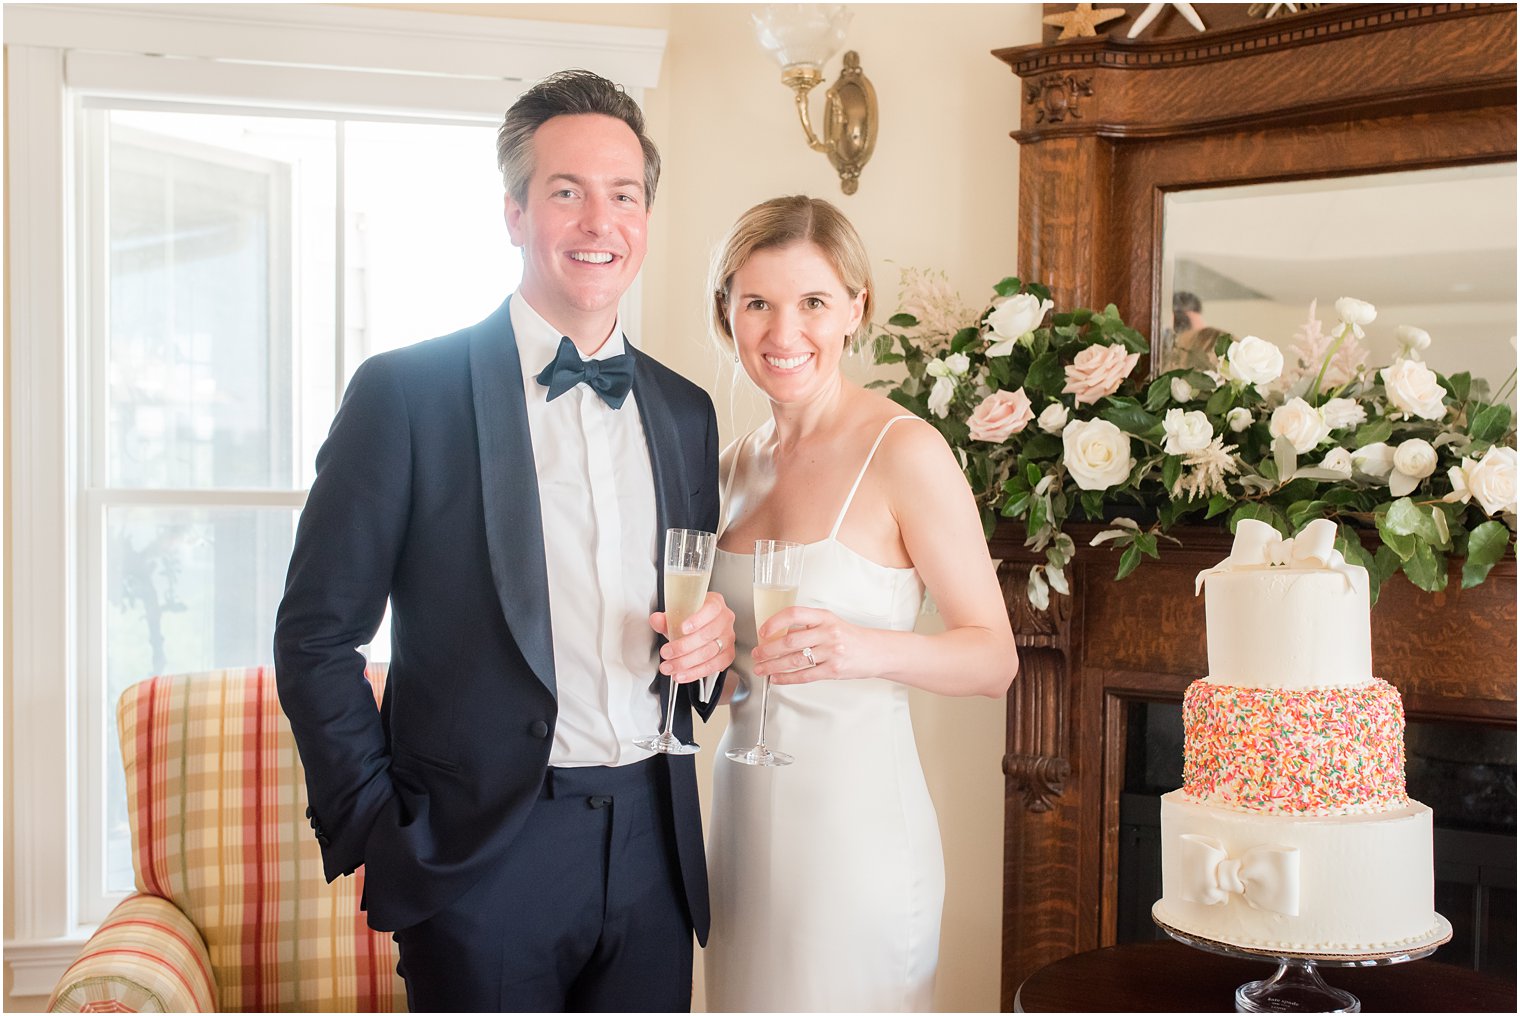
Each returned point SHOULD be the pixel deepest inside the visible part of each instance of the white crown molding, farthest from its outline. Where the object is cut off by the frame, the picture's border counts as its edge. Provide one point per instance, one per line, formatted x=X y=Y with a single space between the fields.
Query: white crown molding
x=331 y=36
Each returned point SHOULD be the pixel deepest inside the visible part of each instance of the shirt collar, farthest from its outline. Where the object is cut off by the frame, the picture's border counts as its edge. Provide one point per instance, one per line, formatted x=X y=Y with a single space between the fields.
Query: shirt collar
x=538 y=340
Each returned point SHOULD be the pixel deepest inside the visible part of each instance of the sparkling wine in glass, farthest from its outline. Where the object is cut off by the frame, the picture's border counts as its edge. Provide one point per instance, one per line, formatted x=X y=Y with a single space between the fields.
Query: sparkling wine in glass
x=778 y=572
x=688 y=567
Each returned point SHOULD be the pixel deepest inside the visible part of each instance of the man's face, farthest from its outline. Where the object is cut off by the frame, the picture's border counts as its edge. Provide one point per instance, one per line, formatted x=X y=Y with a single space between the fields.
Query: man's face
x=583 y=221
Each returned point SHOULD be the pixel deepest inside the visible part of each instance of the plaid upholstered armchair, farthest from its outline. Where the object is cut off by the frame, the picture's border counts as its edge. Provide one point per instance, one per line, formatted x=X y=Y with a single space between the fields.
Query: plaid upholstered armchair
x=231 y=911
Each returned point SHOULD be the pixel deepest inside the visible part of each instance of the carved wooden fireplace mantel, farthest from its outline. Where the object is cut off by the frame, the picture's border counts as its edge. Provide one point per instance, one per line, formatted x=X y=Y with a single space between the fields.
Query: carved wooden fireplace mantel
x=1107 y=127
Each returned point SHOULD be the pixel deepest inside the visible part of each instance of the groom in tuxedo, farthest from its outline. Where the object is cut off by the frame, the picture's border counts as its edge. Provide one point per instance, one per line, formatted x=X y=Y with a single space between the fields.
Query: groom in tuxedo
x=507 y=488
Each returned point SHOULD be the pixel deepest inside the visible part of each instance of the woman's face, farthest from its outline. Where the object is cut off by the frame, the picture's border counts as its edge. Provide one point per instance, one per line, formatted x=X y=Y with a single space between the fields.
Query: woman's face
x=791 y=316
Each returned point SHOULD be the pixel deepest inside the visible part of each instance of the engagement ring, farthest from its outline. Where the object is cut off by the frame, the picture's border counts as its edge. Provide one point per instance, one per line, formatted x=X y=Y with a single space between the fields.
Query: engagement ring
x=807 y=651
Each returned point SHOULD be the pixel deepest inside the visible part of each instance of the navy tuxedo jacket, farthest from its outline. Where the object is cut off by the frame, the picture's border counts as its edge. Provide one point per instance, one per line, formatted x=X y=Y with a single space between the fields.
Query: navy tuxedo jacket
x=426 y=494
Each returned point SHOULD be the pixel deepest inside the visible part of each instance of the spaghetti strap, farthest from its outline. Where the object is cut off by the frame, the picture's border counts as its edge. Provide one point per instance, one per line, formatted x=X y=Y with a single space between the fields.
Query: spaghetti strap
x=728 y=485
x=839 y=520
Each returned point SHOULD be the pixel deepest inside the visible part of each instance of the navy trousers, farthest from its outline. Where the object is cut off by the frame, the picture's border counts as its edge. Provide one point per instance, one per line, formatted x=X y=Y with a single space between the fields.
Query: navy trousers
x=586 y=912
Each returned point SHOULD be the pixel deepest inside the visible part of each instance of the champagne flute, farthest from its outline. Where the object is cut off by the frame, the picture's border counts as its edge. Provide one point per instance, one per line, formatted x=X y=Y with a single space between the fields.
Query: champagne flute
x=778 y=572
x=688 y=568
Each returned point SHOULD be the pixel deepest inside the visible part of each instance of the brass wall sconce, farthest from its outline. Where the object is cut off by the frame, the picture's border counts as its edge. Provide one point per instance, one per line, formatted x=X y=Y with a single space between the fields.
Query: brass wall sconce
x=802 y=38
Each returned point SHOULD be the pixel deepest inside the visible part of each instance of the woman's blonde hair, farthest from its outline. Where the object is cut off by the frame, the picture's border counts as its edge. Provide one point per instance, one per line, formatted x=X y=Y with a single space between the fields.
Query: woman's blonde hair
x=782 y=222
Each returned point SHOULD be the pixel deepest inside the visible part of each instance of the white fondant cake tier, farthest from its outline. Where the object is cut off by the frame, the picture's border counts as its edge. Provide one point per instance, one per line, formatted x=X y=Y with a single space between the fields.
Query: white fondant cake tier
x=1345 y=885
x=1288 y=627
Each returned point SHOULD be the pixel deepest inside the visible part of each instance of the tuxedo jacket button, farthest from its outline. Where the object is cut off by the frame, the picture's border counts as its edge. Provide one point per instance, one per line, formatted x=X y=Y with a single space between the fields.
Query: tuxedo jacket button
x=538 y=728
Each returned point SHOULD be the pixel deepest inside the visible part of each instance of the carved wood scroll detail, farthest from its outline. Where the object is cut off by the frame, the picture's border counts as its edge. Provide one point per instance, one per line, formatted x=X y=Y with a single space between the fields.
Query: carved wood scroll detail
x=1037 y=763
x=1057 y=96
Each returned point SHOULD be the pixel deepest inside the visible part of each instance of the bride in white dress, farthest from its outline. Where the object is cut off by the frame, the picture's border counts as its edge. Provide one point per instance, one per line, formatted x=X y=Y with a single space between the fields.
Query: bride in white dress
x=827 y=877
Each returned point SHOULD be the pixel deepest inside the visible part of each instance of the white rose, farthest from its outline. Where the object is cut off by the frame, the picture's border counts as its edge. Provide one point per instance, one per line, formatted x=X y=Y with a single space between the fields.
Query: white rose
x=1252 y=361
x=1412 y=341
x=1014 y=318
x=1342 y=413
x=1413 y=460
x=1186 y=431
x=1338 y=461
x=958 y=363
x=1492 y=480
x=1181 y=390
x=1374 y=460
x=1097 y=454
x=1414 y=389
x=1053 y=418
x=1238 y=418
x=939 y=397
x=1299 y=422
x=1355 y=313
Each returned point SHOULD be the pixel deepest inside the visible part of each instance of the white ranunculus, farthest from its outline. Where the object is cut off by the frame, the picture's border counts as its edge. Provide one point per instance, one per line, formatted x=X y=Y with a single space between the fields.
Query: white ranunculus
x=1053 y=418
x=1097 y=454
x=1338 y=461
x=1238 y=419
x=1302 y=424
x=940 y=395
x=1252 y=361
x=1413 y=460
x=1342 y=413
x=958 y=363
x=1373 y=460
x=1491 y=480
x=1014 y=318
x=1181 y=390
x=1355 y=313
x=1414 y=389
x=1186 y=431
x=1412 y=341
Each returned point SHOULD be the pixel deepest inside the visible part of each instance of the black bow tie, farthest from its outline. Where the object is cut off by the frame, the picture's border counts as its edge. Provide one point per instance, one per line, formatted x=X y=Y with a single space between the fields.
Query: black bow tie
x=611 y=378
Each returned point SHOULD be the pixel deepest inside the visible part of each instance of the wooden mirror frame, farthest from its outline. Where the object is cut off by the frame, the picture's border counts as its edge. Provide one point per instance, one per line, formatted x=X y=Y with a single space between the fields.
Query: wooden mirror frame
x=1107 y=128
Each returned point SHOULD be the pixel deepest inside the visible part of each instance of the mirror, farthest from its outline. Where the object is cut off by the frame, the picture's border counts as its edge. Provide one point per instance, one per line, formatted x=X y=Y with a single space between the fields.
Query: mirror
x=1433 y=248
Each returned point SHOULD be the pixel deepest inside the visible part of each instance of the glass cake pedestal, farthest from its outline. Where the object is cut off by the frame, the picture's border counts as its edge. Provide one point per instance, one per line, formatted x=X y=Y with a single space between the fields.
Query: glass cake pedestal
x=1297 y=985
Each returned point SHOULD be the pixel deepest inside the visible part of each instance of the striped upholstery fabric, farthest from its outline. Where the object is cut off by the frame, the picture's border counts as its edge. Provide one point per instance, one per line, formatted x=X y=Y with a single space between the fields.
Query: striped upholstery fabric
x=217 y=801
x=145 y=957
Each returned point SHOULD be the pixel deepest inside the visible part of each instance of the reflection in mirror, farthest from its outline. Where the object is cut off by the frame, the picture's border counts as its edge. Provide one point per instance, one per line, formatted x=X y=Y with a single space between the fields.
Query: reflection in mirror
x=1430 y=248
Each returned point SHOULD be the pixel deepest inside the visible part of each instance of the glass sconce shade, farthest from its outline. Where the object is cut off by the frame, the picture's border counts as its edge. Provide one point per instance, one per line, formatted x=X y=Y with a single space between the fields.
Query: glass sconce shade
x=802 y=34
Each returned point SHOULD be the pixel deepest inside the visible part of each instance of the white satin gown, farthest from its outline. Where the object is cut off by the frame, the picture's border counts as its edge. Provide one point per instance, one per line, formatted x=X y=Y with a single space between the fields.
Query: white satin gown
x=827 y=877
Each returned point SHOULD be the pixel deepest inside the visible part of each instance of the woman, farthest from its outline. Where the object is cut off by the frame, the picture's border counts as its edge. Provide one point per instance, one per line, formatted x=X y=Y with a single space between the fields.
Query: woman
x=827 y=876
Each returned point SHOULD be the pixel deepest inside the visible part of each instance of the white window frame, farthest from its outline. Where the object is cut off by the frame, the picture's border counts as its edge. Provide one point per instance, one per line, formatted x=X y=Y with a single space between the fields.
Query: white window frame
x=397 y=62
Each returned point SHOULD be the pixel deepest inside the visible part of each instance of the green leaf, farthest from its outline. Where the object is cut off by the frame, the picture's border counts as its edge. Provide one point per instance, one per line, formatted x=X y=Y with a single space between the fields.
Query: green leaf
x=1301 y=513
x=1262 y=512
x=1129 y=416
x=1426 y=568
x=1171 y=469
x=1032 y=473
x=1405 y=518
x=989 y=521
x=1219 y=402
x=1401 y=544
x=1372 y=432
x=964 y=339
x=1040 y=445
x=1159 y=393
x=1485 y=546
x=1046 y=375
x=1218 y=505
x=1129 y=560
x=1039 y=515
x=1488 y=423
x=1460 y=386
x=1385 y=563
x=1038 y=290
x=1285 y=458
x=903 y=321
x=1008 y=287
x=1092 y=504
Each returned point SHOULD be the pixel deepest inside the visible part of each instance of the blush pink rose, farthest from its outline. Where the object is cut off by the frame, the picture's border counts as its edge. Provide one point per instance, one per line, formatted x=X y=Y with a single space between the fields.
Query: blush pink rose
x=1000 y=415
x=1098 y=371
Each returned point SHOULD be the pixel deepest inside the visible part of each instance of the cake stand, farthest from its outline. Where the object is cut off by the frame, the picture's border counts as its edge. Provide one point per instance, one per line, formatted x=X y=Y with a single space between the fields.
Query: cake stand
x=1297 y=985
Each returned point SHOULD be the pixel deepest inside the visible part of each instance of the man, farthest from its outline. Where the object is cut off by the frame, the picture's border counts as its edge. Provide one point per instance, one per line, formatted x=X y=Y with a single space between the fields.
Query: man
x=526 y=854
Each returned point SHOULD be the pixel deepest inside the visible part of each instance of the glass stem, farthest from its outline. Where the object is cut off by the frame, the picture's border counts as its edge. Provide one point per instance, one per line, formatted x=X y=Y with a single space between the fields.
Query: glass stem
x=670 y=710
x=765 y=694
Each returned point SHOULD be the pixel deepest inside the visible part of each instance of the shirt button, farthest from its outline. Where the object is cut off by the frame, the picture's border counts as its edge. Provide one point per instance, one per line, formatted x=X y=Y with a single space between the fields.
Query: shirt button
x=538 y=728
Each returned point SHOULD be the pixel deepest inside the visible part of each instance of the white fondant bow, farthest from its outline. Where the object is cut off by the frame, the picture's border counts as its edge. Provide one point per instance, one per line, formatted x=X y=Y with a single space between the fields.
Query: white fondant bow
x=1258 y=545
x=1265 y=877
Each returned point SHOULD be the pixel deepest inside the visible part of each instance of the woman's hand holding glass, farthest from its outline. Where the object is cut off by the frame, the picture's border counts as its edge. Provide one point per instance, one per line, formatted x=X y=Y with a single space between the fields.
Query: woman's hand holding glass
x=804 y=644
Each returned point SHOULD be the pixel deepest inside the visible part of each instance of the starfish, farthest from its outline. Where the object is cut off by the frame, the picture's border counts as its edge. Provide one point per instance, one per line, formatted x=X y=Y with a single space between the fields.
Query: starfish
x=1151 y=10
x=1083 y=20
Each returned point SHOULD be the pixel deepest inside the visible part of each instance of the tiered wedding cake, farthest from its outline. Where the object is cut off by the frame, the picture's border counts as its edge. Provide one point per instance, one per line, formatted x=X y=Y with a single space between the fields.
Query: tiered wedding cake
x=1293 y=830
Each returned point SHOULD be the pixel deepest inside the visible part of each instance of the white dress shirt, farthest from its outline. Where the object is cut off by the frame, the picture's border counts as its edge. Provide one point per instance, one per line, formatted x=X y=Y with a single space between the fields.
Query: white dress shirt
x=597 y=500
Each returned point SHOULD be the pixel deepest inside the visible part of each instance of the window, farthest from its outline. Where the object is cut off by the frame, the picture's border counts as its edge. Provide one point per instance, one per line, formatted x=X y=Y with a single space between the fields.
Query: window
x=216 y=214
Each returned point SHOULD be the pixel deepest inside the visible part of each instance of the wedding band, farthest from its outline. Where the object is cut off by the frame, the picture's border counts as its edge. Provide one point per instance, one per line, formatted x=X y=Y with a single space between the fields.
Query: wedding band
x=807 y=651
x=720 y=644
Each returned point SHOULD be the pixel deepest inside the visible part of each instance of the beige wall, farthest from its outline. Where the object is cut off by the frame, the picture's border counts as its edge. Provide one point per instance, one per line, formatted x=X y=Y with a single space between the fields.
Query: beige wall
x=940 y=192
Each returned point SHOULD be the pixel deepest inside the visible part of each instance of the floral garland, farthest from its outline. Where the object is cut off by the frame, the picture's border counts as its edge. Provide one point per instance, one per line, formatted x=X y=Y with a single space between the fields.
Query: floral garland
x=1051 y=423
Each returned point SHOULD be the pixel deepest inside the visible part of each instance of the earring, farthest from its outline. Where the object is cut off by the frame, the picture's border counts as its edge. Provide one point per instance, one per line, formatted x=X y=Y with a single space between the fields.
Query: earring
x=736 y=357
